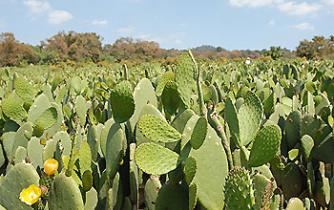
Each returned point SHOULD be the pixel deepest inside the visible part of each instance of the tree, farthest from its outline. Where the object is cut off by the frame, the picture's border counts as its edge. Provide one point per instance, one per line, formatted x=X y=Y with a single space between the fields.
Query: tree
x=75 y=46
x=13 y=53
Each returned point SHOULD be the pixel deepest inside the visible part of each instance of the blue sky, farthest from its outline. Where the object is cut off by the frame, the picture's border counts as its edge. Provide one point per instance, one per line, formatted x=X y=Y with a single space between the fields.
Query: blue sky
x=232 y=24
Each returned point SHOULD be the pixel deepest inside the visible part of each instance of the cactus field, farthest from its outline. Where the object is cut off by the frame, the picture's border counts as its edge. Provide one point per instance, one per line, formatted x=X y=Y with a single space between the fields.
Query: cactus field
x=192 y=134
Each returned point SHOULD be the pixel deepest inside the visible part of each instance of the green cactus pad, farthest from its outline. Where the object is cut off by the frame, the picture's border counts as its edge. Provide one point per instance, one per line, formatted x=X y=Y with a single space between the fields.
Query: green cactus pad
x=192 y=196
x=24 y=90
x=152 y=188
x=22 y=137
x=12 y=107
x=91 y=199
x=155 y=159
x=231 y=117
x=19 y=177
x=307 y=144
x=181 y=120
x=199 y=133
x=266 y=145
x=184 y=78
x=115 y=194
x=143 y=95
x=172 y=196
x=292 y=128
x=41 y=103
x=2 y=157
x=20 y=154
x=81 y=108
x=85 y=157
x=189 y=169
x=114 y=149
x=170 y=98
x=210 y=191
x=249 y=116
x=35 y=151
x=157 y=130
x=122 y=103
x=263 y=189
x=45 y=120
x=65 y=194
x=163 y=80
x=239 y=193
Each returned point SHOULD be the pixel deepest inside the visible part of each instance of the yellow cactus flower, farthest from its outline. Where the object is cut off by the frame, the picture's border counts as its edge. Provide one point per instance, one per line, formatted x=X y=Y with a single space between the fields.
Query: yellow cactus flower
x=50 y=166
x=31 y=194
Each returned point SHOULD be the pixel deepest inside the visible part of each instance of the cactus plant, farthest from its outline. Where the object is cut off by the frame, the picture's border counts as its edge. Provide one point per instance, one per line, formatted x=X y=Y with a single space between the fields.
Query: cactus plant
x=238 y=190
x=122 y=103
x=155 y=159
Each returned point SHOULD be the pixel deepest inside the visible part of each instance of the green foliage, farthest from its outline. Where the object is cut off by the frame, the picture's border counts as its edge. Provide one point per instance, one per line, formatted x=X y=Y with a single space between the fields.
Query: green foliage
x=12 y=107
x=155 y=159
x=65 y=194
x=157 y=130
x=263 y=137
x=184 y=78
x=239 y=193
x=122 y=103
x=18 y=177
x=266 y=145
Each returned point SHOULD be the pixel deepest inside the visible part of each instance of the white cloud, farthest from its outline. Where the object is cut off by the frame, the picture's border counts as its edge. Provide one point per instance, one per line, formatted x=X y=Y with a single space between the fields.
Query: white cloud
x=286 y=6
x=100 y=22
x=37 y=6
x=59 y=17
x=127 y=30
x=294 y=8
x=329 y=4
x=305 y=26
x=251 y=3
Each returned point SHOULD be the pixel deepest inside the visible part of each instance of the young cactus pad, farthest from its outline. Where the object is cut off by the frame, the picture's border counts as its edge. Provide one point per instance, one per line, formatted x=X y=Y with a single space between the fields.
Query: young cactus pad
x=155 y=159
x=239 y=193
x=122 y=103
x=157 y=130
x=266 y=145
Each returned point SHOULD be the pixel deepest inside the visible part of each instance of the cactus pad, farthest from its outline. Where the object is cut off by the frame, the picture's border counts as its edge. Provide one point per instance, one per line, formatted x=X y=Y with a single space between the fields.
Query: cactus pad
x=19 y=177
x=155 y=159
x=122 y=103
x=266 y=145
x=157 y=130
x=65 y=194
x=199 y=133
x=239 y=192
x=12 y=107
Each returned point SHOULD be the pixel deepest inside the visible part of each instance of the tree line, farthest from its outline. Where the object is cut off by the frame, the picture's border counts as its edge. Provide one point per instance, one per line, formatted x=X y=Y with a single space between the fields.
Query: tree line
x=88 y=47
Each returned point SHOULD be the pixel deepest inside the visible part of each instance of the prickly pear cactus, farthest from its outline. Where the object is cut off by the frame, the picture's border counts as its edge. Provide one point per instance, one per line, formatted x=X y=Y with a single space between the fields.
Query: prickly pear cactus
x=19 y=177
x=45 y=120
x=266 y=145
x=122 y=103
x=172 y=196
x=239 y=193
x=245 y=122
x=163 y=80
x=184 y=78
x=157 y=130
x=65 y=194
x=155 y=159
x=24 y=90
x=143 y=95
x=210 y=192
x=12 y=107
x=199 y=133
